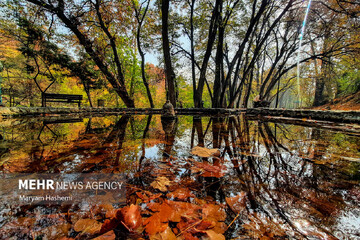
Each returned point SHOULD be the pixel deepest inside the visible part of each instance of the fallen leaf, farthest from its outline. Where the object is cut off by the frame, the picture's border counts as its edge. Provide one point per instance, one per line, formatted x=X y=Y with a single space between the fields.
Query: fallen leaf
x=213 y=212
x=114 y=213
x=168 y=234
x=53 y=232
x=205 y=225
x=212 y=235
x=148 y=196
x=88 y=226
x=237 y=203
x=207 y=170
x=188 y=236
x=183 y=209
x=188 y=224
x=205 y=152
x=154 y=224
x=160 y=183
x=220 y=227
x=109 y=224
x=164 y=210
x=107 y=236
x=180 y=194
x=102 y=208
x=131 y=216
x=262 y=227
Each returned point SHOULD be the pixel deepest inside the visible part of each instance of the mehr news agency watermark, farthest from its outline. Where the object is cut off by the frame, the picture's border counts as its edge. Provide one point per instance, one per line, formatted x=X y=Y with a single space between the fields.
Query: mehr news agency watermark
x=61 y=188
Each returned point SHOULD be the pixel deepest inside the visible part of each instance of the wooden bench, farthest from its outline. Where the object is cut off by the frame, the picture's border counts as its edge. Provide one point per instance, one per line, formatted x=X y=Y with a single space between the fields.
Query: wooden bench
x=66 y=98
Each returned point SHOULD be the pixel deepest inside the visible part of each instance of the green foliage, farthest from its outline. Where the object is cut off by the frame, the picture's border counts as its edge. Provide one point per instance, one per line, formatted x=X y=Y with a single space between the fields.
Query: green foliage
x=348 y=83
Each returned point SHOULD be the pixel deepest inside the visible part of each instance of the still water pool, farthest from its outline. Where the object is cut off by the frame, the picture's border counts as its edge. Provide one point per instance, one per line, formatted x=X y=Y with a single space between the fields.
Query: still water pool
x=269 y=180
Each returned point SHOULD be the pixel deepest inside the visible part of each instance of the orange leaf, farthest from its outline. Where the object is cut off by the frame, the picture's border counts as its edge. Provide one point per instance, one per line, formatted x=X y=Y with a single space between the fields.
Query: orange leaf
x=107 y=236
x=237 y=203
x=181 y=194
x=205 y=152
x=208 y=170
x=212 y=235
x=109 y=224
x=204 y=225
x=88 y=226
x=154 y=224
x=131 y=216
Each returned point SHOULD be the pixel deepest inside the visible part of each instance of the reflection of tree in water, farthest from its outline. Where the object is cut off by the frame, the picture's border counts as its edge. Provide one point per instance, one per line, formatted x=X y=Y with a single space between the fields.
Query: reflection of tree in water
x=47 y=150
x=280 y=188
x=274 y=185
x=169 y=126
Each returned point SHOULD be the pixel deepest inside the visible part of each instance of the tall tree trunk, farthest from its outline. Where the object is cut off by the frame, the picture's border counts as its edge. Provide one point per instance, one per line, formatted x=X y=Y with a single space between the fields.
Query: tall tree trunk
x=169 y=72
x=192 y=5
x=211 y=39
x=319 y=89
x=140 y=20
x=319 y=98
x=87 y=91
x=218 y=63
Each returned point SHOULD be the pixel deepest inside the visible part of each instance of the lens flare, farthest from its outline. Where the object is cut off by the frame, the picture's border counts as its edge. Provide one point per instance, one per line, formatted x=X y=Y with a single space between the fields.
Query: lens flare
x=299 y=49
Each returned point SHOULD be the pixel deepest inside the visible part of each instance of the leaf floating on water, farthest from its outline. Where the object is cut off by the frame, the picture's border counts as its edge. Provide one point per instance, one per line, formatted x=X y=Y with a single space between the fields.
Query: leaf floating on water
x=205 y=152
x=237 y=203
x=161 y=183
x=262 y=227
x=131 y=216
x=148 y=196
x=180 y=194
x=88 y=226
x=208 y=170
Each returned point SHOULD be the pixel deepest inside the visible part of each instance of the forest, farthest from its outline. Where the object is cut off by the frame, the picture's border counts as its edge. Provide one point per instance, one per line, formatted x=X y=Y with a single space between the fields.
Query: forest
x=215 y=119
x=211 y=53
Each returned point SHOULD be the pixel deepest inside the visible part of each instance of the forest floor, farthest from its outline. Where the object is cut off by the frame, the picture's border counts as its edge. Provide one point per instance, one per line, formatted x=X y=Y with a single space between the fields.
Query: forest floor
x=348 y=103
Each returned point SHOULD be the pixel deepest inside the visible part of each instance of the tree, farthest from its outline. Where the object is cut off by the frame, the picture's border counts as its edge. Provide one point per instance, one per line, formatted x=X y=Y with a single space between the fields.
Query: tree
x=337 y=30
x=169 y=71
x=83 y=17
x=249 y=42
x=140 y=14
x=47 y=58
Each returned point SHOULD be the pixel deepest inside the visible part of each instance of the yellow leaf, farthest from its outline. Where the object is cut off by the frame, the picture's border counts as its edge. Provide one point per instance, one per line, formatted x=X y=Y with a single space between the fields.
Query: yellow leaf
x=161 y=183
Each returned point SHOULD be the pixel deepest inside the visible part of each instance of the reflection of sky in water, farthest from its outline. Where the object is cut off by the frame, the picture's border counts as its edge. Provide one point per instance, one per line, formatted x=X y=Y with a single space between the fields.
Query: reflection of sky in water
x=152 y=152
x=348 y=221
x=71 y=165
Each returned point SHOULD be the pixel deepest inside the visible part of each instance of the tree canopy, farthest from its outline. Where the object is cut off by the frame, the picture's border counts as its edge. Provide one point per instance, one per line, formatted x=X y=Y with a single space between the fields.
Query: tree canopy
x=214 y=53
